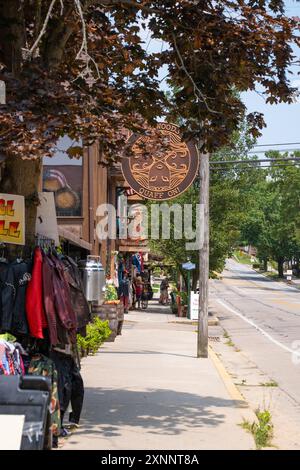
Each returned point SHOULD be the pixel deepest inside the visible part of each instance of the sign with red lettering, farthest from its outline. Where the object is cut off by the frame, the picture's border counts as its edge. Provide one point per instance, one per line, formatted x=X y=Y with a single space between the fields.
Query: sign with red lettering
x=12 y=219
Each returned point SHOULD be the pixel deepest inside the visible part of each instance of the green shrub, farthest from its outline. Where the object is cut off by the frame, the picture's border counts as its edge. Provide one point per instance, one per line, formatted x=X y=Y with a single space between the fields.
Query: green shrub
x=8 y=337
x=96 y=333
x=262 y=430
x=174 y=308
x=184 y=298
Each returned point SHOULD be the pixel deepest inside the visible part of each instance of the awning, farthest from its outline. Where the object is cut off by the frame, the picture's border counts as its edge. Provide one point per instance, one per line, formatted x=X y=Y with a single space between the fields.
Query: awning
x=71 y=237
x=134 y=249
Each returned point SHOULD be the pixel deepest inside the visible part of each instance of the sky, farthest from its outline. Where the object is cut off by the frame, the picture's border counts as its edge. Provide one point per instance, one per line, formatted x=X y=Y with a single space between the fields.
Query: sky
x=283 y=120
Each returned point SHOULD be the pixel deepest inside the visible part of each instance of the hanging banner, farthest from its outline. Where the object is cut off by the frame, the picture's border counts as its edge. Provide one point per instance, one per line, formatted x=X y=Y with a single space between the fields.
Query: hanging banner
x=162 y=177
x=46 y=221
x=12 y=219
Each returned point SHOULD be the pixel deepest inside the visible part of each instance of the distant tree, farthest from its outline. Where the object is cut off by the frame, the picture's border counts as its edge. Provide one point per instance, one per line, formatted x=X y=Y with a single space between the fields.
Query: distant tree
x=272 y=223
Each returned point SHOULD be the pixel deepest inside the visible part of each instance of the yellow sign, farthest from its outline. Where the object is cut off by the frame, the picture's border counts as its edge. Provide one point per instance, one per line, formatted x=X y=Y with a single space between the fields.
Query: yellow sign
x=12 y=219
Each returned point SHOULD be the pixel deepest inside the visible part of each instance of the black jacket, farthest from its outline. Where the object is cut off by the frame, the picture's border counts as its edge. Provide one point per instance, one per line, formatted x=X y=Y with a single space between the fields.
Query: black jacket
x=14 y=278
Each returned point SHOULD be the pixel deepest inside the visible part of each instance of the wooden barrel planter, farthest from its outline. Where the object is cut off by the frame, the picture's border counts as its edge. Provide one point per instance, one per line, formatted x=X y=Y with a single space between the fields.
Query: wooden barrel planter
x=108 y=312
x=120 y=311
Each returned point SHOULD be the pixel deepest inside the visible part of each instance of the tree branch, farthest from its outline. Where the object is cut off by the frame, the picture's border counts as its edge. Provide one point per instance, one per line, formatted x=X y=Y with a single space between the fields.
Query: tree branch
x=43 y=30
x=132 y=3
x=197 y=92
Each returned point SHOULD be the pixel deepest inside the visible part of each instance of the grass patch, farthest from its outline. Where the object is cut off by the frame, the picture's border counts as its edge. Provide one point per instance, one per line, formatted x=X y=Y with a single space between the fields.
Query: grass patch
x=229 y=341
x=242 y=257
x=271 y=383
x=262 y=430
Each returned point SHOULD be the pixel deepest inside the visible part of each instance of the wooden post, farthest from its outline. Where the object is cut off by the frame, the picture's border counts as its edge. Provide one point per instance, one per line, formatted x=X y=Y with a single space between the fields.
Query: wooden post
x=202 y=345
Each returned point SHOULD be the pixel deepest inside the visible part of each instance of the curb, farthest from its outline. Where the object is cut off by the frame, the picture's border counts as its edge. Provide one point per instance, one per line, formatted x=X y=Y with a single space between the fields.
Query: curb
x=214 y=321
x=246 y=412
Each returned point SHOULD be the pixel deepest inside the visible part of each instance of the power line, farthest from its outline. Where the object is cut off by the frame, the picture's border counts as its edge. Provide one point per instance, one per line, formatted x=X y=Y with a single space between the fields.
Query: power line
x=260 y=167
x=276 y=145
x=269 y=150
x=250 y=162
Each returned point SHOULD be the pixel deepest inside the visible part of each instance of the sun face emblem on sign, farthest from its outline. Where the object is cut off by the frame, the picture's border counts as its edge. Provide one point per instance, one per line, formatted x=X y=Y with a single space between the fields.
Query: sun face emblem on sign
x=162 y=176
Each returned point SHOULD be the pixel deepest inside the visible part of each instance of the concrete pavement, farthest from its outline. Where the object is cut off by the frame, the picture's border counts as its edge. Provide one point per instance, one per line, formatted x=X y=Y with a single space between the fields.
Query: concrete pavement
x=147 y=390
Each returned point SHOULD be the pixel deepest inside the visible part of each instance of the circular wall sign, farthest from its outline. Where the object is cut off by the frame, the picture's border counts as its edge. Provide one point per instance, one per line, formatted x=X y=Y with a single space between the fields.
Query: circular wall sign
x=162 y=177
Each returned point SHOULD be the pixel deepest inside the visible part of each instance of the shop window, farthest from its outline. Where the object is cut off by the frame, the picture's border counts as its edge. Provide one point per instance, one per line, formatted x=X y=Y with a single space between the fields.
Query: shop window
x=64 y=177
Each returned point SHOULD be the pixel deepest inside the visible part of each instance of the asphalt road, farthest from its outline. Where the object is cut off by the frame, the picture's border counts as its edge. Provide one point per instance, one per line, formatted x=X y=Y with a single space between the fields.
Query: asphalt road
x=262 y=317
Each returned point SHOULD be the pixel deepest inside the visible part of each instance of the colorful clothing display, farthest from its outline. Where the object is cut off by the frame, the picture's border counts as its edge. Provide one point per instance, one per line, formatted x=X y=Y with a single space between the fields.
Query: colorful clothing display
x=42 y=365
x=11 y=362
x=42 y=303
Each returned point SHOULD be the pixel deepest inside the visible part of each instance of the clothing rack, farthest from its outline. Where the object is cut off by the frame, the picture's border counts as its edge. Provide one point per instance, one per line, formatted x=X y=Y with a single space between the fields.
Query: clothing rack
x=26 y=251
x=44 y=242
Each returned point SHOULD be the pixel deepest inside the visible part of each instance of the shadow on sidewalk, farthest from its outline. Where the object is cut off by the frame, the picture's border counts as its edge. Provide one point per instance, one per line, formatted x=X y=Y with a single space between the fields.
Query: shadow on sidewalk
x=163 y=353
x=167 y=412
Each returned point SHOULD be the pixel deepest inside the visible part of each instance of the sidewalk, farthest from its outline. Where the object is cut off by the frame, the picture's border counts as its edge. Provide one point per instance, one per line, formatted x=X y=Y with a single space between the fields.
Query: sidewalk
x=148 y=391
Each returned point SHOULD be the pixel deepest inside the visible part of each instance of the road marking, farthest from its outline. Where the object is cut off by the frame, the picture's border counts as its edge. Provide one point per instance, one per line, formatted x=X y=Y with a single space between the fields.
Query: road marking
x=258 y=328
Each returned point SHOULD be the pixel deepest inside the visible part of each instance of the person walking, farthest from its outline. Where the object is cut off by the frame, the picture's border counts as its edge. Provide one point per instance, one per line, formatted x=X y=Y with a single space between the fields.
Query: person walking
x=164 y=295
x=124 y=291
x=138 y=287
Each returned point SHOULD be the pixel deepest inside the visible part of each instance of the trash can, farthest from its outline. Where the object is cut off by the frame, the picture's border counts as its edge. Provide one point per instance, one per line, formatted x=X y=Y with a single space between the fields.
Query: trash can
x=93 y=277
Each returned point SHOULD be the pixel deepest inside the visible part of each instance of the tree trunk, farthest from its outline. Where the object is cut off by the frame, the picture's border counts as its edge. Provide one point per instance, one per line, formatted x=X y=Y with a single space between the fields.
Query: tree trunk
x=280 y=262
x=265 y=264
x=22 y=177
x=12 y=34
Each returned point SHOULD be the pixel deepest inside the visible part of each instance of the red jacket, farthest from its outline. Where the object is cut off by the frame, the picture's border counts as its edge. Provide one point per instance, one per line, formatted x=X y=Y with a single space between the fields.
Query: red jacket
x=34 y=298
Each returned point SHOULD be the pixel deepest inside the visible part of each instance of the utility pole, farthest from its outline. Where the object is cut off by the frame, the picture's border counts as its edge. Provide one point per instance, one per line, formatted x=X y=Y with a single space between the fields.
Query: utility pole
x=202 y=344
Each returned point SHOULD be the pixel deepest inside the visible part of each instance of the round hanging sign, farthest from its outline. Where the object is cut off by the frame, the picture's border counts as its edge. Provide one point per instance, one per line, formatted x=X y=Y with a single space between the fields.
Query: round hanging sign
x=162 y=176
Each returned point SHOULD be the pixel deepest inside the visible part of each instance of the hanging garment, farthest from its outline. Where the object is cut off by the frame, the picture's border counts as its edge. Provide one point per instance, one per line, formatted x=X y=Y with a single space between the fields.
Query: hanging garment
x=42 y=365
x=14 y=279
x=70 y=384
x=49 y=305
x=78 y=300
x=34 y=298
x=11 y=362
x=4 y=364
x=136 y=262
x=141 y=258
x=124 y=287
x=77 y=395
x=60 y=294
x=7 y=296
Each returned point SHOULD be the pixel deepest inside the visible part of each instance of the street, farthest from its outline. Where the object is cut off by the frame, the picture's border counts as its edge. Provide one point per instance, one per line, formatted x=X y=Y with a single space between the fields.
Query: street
x=261 y=318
